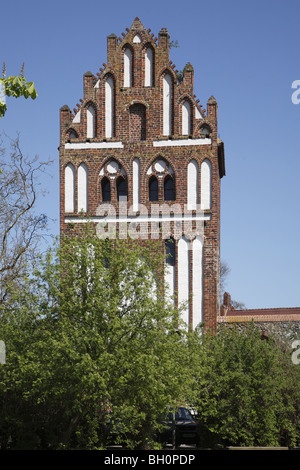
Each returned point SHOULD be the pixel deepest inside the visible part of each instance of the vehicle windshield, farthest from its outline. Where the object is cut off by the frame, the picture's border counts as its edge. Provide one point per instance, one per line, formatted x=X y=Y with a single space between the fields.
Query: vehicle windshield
x=181 y=414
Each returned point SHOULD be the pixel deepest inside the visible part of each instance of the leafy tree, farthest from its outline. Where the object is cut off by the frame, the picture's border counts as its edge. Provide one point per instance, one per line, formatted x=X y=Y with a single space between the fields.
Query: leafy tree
x=21 y=227
x=90 y=337
x=16 y=86
x=246 y=390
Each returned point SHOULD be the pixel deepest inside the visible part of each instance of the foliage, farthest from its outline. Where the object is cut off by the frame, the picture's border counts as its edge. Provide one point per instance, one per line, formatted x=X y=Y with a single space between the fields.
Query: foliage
x=15 y=86
x=89 y=337
x=92 y=346
x=21 y=227
x=246 y=391
x=174 y=43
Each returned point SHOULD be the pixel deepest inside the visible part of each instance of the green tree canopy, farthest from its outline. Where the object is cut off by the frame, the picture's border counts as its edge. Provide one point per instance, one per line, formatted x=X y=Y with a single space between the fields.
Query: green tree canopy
x=246 y=390
x=90 y=336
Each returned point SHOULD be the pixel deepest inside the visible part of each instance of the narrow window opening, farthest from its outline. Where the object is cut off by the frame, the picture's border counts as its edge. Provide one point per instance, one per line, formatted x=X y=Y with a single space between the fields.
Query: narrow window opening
x=170 y=251
x=106 y=190
x=205 y=131
x=72 y=134
x=121 y=188
x=169 y=190
x=153 y=189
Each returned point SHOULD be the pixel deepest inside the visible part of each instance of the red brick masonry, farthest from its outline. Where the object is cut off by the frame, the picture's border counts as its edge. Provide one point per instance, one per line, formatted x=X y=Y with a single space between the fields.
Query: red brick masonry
x=138 y=125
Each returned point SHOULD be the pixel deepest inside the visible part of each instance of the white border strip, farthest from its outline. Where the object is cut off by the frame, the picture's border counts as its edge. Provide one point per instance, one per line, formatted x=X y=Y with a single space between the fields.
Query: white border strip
x=181 y=142
x=120 y=145
x=93 y=145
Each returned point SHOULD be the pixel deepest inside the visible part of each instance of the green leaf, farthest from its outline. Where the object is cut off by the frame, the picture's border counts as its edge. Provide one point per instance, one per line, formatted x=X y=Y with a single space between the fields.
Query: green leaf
x=17 y=86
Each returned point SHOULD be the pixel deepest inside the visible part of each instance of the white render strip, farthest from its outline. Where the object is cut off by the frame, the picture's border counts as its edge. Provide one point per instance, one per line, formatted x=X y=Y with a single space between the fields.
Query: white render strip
x=138 y=219
x=93 y=145
x=120 y=145
x=109 y=116
x=148 y=66
x=69 y=188
x=77 y=117
x=193 y=190
x=197 y=254
x=137 y=39
x=186 y=118
x=90 y=122
x=206 y=174
x=183 y=277
x=167 y=105
x=170 y=283
x=82 y=188
x=136 y=184
x=198 y=115
x=183 y=142
x=127 y=68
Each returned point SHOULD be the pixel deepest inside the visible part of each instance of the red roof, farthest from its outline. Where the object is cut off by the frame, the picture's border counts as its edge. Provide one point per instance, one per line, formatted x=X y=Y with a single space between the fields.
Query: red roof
x=267 y=311
x=262 y=314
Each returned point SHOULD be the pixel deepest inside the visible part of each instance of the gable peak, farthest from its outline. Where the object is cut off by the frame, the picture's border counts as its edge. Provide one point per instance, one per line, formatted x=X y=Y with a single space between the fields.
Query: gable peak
x=137 y=25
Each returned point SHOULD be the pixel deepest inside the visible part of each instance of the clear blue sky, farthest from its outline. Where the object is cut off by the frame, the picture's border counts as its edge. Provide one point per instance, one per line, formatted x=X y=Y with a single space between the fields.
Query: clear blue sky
x=245 y=54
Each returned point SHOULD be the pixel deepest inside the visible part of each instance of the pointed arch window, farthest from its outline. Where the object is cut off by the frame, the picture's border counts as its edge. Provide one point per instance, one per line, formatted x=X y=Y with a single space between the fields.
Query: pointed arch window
x=169 y=188
x=153 y=189
x=106 y=189
x=205 y=131
x=121 y=188
x=72 y=134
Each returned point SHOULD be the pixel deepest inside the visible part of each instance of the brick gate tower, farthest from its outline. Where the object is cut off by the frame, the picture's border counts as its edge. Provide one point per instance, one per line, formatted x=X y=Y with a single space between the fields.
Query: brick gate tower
x=139 y=150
